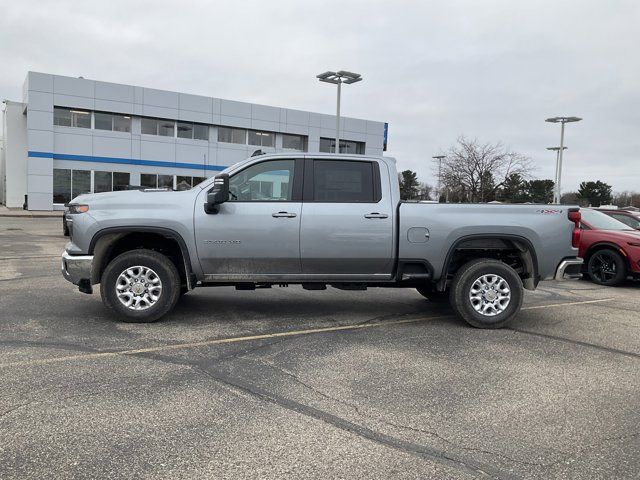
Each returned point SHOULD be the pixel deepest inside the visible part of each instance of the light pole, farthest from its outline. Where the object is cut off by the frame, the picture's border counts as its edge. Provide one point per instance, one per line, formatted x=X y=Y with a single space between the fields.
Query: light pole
x=339 y=78
x=561 y=121
x=555 y=180
x=439 y=158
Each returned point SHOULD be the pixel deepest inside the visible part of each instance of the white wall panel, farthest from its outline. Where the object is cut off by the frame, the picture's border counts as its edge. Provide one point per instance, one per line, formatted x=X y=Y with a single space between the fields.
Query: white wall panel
x=164 y=152
x=73 y=144
x=235 y=109
x=114 y=106
x=41 y=101
x=197 y=103
x=192 y=154
x=74 y=101
x=112 y=147
x=161 y=98
x=37 y=120
x=41 y=82
x=114 y=91
x=40 y=141
x=80 y=87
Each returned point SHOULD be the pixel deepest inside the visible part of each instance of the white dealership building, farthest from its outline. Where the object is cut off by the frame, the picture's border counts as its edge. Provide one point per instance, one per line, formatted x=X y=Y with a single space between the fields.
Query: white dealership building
x=73 y=135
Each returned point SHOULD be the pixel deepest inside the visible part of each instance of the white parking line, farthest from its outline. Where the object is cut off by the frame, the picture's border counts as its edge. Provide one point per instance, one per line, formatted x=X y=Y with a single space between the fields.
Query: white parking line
x=249 y=338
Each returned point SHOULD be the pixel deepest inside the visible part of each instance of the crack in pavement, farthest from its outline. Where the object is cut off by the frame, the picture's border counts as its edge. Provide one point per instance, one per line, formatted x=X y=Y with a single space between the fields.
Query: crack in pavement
x=577 y=342
x=255 y=391
x=439 y=456
x=38 y=402
x=432 y=433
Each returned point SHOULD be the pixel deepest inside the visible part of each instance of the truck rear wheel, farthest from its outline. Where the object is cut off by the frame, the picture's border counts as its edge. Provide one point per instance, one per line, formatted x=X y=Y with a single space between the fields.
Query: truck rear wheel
x=140 y=286
x=486 y=293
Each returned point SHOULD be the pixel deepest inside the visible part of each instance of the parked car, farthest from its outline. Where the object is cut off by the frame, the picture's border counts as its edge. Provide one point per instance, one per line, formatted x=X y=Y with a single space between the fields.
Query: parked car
x=610 y=248
x=315 y=220
x=65 y=226
x=629 y=218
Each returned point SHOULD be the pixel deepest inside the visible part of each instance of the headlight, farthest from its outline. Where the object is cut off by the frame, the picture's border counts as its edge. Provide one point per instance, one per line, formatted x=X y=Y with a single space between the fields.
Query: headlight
x=74 y=208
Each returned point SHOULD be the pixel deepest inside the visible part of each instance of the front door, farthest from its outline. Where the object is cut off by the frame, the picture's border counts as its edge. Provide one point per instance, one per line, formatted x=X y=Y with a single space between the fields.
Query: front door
x=347 y=223
x=257 y=232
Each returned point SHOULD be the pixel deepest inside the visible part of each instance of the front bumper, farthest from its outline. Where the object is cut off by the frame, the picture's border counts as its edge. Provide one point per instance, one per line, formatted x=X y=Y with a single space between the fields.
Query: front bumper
x=77 y=268
x=569 y=268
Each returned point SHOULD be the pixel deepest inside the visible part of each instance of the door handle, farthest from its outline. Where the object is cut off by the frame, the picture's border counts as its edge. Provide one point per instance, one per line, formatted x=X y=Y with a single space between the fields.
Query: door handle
x=283 y=215
x=376 y=215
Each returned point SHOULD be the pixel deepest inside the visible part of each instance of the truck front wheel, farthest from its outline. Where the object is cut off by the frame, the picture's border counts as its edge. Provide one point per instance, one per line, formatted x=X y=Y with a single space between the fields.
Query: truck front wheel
x=140 y=286
x=486 y=293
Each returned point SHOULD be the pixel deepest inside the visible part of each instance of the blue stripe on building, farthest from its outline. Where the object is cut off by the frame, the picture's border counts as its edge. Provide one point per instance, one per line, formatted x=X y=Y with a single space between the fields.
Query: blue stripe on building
x=123 y=161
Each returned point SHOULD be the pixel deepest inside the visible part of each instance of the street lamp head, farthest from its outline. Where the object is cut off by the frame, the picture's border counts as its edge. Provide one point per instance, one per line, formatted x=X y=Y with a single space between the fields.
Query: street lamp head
x=439 y=157
x=563 y=119
x=555 y=149
x=341 y=76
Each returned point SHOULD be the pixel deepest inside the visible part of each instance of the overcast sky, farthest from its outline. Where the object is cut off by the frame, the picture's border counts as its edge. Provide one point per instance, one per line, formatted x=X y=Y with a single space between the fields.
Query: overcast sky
x=433 y=69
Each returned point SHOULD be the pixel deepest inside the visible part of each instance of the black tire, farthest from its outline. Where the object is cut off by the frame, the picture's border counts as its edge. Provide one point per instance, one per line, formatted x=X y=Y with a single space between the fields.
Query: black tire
x=165 y=270
x=502 y=311
x=606 y=267
x=433 y=295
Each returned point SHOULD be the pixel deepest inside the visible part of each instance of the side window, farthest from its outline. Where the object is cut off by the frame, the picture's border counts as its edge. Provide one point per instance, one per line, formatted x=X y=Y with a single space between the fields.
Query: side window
x=626 y=220
x=345 y=181
x=270 y=181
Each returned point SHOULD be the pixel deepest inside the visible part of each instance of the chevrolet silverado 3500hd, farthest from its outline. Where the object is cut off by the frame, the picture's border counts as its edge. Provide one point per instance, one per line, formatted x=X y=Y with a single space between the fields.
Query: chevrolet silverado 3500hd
x=313 y=219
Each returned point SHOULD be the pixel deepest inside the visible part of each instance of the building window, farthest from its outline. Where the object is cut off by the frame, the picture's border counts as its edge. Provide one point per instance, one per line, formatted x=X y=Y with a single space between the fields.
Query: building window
x=294 y=142
x=102 y=182
x=152 y=180
x=158 y=126
x=112 y=121
x=195 y=131
x=69 y=117
x=185 y=183
x=148 y=180
x=165 y=181
x=232 y=135
x=121 y=181
x=262 y=139
x=80 y=182
x=68 y=184
x=346 y=182
x=61 y=185
x=328 y=145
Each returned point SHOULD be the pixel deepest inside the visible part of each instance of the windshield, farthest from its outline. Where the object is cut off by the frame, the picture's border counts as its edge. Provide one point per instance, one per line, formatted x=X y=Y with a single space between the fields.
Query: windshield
x=602 y=221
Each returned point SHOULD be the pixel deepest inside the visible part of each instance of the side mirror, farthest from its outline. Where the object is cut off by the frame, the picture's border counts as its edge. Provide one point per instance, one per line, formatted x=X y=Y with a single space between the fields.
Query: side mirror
x=219 y=194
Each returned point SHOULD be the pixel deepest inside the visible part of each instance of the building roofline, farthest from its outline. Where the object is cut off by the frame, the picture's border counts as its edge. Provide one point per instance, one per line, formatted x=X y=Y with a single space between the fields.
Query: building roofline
x=200 y=95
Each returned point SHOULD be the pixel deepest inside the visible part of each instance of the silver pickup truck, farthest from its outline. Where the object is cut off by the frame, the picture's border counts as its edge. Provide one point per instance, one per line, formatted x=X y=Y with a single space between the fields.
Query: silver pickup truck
x=314 y=220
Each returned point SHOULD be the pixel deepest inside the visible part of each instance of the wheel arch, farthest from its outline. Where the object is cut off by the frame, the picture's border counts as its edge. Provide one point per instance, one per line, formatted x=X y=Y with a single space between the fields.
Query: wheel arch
x=526 y=253
x=109 y=242
x=606 y=245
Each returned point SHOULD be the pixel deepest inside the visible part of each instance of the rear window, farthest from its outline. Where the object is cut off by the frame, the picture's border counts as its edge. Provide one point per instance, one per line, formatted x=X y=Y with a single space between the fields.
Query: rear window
x=601 y=221
x=342 y=181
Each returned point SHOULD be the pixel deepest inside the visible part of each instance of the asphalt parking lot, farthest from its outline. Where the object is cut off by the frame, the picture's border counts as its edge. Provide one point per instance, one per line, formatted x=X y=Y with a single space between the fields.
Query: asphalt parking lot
x=291 y=383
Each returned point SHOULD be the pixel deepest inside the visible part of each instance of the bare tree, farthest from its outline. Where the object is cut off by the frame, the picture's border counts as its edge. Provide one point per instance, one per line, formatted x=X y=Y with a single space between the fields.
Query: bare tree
x=424 y=191
x=474 y=172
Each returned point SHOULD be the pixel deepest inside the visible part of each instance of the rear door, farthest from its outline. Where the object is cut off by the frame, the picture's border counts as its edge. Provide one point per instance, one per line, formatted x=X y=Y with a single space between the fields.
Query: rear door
x=347 y=222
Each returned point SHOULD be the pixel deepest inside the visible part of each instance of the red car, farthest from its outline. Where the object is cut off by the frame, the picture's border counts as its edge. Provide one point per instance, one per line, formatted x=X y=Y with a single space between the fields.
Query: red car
x=611 y=249
x=629 y=218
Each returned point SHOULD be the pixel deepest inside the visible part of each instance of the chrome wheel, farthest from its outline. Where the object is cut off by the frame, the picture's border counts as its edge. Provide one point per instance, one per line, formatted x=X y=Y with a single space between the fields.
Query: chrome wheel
x=490 y=295
x=138 y=288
